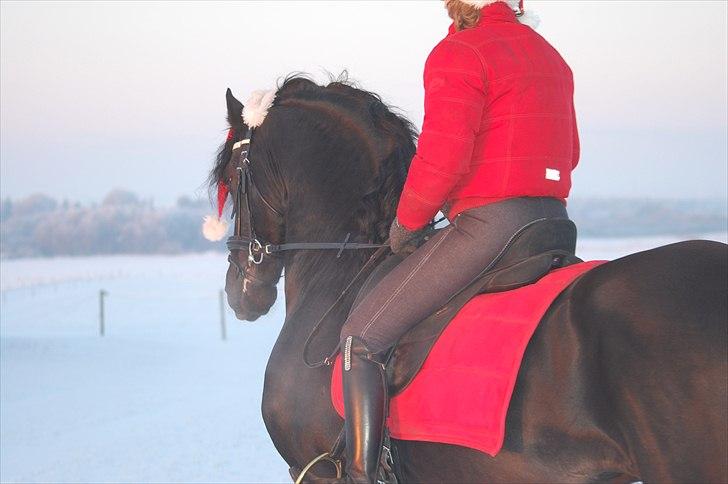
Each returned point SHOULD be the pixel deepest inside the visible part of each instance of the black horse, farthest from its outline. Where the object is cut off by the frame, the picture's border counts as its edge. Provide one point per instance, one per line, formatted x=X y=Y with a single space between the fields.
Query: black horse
x=624 y=380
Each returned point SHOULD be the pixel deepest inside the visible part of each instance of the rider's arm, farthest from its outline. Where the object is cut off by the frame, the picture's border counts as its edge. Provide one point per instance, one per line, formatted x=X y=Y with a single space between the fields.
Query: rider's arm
x=454 y=101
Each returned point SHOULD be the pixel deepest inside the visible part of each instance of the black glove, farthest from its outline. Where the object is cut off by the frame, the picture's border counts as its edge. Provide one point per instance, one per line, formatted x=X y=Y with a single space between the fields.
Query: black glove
x=404 y=241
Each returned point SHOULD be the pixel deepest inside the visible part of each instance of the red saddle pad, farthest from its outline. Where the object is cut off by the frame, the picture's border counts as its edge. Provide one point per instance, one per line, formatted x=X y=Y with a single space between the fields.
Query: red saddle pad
x=461 y=394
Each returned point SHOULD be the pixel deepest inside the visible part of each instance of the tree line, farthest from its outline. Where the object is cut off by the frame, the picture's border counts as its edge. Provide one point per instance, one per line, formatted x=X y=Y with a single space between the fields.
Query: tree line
x=39 y=225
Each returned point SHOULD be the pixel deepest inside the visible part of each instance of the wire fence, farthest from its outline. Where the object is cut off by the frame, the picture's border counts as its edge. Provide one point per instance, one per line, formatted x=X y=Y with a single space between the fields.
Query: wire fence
x=62 y=302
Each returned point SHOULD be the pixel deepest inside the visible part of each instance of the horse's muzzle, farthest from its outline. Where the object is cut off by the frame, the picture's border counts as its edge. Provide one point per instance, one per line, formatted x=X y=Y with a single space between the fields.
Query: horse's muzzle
x=249 y=298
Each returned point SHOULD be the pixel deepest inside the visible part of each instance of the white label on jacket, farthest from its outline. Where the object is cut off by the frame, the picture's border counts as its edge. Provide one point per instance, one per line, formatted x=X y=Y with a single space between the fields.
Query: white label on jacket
x=552 y=174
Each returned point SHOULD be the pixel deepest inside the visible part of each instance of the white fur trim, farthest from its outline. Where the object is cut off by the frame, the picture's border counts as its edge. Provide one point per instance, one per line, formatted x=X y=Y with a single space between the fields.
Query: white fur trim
x=256 y=107
x=213 y=228
x=528 y=18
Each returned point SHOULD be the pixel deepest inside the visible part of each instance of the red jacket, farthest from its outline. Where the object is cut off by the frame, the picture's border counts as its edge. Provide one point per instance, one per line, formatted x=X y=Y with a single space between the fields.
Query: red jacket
x=499 y=121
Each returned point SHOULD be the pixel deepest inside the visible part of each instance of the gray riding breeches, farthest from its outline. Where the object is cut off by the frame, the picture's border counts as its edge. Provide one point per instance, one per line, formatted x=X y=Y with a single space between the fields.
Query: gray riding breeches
x=445 y=264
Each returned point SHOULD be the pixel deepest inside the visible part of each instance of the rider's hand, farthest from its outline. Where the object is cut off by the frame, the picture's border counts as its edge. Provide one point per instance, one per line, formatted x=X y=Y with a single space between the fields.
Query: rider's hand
x=402 y=240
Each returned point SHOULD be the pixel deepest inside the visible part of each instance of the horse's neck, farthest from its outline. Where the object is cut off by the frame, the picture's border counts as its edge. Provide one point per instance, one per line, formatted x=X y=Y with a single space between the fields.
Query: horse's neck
x=296 y=406
x=314 y=279
x=311 y=289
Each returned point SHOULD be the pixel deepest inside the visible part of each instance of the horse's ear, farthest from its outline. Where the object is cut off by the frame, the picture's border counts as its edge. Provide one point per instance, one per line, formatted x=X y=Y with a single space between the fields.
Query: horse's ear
x=234 y=108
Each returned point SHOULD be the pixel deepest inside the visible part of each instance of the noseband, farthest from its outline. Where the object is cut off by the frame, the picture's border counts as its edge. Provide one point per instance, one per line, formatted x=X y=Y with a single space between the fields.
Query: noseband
x=258 y=248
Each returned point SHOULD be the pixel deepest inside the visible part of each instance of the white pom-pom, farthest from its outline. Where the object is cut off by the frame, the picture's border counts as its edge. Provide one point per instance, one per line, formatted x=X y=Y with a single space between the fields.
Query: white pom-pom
x=213 y=228
x=530 y=19
x=257 y=106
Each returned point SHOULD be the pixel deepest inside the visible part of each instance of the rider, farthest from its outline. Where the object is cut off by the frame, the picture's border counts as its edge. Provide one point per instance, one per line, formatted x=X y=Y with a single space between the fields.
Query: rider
x=498 y=144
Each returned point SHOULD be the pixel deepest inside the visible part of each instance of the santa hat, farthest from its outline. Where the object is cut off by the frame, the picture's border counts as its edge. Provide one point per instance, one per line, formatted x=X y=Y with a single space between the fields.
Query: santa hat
x=255 y=110
x=214 y=228
x=526 y=17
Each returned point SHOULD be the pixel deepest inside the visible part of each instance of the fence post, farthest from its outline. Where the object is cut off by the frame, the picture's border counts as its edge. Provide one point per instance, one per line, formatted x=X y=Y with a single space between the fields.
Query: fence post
x=223 y=332
x=102 y=295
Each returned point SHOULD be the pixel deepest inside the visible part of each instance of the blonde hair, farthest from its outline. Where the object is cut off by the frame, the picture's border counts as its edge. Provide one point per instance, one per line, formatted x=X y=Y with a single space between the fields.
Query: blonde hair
x=463 y=15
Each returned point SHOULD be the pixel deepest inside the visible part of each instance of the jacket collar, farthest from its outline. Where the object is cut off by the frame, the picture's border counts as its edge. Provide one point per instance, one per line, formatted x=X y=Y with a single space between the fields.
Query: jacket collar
x=493 y=13
x=497 y=12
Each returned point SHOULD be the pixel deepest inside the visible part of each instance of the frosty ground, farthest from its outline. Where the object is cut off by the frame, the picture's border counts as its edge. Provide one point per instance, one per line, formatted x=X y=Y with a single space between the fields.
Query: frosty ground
x=161 y=397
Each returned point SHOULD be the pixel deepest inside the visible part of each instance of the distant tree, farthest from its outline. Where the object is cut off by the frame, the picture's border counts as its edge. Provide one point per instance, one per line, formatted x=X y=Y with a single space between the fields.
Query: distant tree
x=183 y=234
x=119 y=197
x=186 y=202
x=6 y=209
x=33 y=204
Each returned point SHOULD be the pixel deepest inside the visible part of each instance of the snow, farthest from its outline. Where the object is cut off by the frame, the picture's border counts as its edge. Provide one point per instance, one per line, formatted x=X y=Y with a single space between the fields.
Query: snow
x=161 y=397
x=613 y=248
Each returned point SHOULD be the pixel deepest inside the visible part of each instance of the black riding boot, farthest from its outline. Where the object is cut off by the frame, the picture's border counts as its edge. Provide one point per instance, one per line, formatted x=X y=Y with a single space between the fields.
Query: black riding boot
x=365 y=400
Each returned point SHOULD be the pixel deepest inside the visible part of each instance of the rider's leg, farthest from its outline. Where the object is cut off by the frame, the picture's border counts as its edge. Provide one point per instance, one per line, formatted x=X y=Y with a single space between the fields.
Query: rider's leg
x=448 y=262
x=365 y=403
x=416 y=288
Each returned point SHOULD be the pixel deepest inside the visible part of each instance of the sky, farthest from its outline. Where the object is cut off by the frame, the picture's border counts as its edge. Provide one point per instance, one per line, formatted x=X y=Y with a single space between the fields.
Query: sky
x=95 y=96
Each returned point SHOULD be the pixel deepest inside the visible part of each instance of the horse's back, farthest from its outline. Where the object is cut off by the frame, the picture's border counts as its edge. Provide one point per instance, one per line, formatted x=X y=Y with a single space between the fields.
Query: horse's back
x=675 y=296
x=623 y=380
x=672 y=296
x=655 y=325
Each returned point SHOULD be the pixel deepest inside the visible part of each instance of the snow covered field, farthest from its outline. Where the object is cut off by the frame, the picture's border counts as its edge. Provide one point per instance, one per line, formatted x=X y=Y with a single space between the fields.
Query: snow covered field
x=161 y=398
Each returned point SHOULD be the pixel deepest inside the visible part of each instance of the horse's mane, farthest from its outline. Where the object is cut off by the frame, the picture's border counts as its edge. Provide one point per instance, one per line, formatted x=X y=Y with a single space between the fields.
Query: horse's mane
x=378 y=205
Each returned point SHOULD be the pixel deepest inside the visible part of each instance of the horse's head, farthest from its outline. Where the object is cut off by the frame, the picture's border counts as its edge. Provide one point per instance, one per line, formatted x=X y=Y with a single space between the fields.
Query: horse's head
x=252 y=275
x=327 y=164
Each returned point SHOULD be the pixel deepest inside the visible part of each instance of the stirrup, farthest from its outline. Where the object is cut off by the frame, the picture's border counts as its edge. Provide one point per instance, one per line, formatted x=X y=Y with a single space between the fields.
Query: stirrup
x=333 y=456
x=326 y=456
x=386 y=472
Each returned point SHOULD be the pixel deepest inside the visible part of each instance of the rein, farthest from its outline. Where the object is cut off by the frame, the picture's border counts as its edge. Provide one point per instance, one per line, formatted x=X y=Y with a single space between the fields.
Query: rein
x=317 y=327
x=372 y=261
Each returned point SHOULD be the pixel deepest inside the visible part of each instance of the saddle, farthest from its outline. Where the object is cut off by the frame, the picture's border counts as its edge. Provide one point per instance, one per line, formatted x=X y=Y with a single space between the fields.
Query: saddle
x=534 y=251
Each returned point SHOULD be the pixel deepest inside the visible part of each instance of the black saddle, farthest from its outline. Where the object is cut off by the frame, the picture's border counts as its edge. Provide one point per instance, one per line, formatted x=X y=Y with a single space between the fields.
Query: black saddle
x=534 y=251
